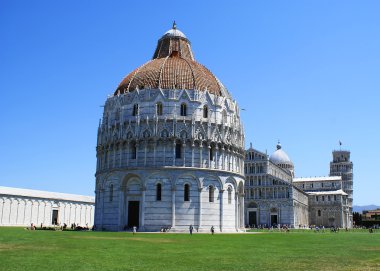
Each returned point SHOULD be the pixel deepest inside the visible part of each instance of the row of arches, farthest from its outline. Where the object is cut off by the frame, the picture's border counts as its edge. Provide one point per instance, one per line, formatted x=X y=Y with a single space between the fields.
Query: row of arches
x=159 y=110
x=162 y=200
x=175 y=152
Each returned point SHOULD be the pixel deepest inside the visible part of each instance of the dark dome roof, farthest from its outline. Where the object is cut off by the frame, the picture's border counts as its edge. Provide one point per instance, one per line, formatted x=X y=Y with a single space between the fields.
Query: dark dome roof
x=173 y=67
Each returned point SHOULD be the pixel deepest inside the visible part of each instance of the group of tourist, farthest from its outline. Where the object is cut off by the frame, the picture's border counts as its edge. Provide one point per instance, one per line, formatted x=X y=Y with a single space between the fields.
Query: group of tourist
x=191 y=228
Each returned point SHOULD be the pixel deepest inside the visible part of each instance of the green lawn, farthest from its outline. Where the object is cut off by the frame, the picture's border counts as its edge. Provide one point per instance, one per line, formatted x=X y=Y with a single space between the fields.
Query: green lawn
x=297 y=250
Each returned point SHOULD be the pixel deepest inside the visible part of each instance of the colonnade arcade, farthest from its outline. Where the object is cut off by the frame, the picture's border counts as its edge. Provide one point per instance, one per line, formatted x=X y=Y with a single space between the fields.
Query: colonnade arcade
x=133 y=194
x=164 y=152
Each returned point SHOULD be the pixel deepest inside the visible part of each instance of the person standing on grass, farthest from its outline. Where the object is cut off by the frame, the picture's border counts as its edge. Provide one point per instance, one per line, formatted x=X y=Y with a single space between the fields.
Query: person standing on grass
x=212 y=230
x=191 y=229
x=134 y=230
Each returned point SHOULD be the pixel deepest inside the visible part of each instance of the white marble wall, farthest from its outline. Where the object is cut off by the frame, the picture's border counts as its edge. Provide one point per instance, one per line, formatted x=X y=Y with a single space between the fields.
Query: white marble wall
x=22 y=211
x=172 y=211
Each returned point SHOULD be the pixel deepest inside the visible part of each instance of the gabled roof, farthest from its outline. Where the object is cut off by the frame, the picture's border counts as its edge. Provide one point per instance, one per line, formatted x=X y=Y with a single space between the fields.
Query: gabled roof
x=318 y=179
x=11 y=191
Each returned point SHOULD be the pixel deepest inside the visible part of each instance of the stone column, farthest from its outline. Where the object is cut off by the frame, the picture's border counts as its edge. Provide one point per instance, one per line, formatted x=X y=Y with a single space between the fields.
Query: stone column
x=143 y=208
x=192 y=154
x=127 y=152
x=121 y=209
x=174 y=145
x=242 y=210
x=236 y=211
x=221 y=209
x=200 y=154
x=101 y=194
x=184 y=153
x=173 y=206
x=154 y=152
x=223 y=158
x=145 y=147
x=200 y=208
x=209 y=150
x=216 y=157
x=164 y=160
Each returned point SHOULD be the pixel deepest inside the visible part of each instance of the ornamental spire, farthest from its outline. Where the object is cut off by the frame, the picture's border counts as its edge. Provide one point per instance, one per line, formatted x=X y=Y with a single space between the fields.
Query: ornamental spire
x=174 y=25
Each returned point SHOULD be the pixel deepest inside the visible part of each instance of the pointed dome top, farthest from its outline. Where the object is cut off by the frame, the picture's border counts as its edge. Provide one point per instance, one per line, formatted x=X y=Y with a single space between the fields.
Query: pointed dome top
x=173 y=42
x=174 y=32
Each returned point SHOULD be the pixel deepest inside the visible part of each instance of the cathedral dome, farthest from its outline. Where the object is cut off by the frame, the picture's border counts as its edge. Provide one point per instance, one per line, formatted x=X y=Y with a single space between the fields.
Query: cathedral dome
x=173 y=67
x=279 y=157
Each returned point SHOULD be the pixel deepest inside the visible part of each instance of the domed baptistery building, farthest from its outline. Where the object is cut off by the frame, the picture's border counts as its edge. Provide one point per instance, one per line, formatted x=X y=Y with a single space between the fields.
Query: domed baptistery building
x=170 y=150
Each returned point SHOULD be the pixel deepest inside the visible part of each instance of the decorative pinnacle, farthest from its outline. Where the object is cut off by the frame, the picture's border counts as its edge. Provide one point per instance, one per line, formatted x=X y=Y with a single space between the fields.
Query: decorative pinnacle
x=174 y=25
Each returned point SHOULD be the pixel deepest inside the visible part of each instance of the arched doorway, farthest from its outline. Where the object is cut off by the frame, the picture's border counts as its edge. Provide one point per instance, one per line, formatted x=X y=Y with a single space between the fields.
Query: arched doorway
x=132 y=203
x=252 y=213
x=273 y=217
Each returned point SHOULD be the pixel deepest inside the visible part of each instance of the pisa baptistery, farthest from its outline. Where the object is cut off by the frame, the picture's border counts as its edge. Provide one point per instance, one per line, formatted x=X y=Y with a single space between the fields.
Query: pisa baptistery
x=170 y=148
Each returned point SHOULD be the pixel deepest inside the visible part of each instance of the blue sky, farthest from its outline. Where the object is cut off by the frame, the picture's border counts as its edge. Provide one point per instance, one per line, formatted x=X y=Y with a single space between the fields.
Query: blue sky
x=307 y=73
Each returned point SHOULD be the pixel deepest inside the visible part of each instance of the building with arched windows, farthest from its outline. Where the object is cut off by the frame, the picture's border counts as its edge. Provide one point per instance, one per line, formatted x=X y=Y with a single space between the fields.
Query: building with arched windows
x=170 y=147
x=274 y=197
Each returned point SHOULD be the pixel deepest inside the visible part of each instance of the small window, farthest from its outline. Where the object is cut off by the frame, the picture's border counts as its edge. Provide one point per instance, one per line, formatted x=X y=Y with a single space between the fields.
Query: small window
x=178 y=150
x=111 y=192
x=186 y=192
x=334 y=197
x=319 y=212
x=133 y=151
x=205 y=111
x=328 y=198
x=322 y=184
x=183 y=109
x=323 y=198
x=159 y=109
x=135 y=110
x=229 y=195
x=210 y=193
x=311 y=185
x=316 y=198
x=158 y=192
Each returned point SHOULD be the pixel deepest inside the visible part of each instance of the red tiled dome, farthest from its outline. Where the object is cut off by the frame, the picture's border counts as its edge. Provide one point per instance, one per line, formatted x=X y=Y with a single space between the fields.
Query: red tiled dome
x=172 y=67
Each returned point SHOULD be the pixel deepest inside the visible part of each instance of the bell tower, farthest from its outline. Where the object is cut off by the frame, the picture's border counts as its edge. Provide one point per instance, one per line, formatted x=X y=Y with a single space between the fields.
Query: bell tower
x=341 y=165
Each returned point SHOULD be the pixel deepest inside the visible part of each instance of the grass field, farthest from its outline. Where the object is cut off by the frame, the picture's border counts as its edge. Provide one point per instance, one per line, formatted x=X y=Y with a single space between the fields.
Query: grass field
x=55 y=250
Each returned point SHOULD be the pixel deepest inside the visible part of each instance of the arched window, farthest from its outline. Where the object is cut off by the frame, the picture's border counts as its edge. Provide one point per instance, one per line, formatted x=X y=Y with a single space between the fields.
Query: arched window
x=205 y=111
x=183 y=109
x=178 y=150
x=229 y=195
x=159 y=109
x=211 y=193
x=111 y=192
x=319 y=212
x=158 y=191
x=212 y=154
x=133 y=151
x=186 y=192
x=135 y=110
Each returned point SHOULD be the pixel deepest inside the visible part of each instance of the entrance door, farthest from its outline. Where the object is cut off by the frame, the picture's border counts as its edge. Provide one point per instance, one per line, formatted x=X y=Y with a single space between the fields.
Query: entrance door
x=54 y=217
x=133 y=213
x=273 y=220
x=252 y=219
